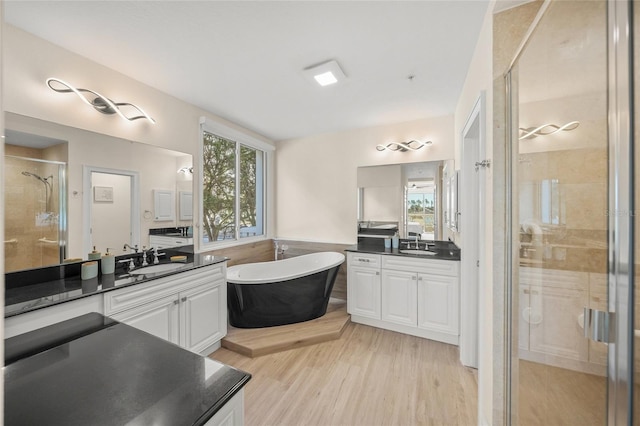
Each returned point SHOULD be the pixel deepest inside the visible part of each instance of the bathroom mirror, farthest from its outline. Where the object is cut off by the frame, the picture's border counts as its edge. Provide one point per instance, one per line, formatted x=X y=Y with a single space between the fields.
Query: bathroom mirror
x=409 y=195
x=46 y=218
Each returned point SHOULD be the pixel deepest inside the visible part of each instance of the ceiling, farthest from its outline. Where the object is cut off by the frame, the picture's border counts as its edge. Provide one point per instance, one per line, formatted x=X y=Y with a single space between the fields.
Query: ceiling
x=243 y=60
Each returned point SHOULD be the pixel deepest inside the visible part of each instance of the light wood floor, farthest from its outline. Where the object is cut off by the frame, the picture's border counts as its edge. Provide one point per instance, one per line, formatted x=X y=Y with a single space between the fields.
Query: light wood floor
x=557 y=396
x=367 y=377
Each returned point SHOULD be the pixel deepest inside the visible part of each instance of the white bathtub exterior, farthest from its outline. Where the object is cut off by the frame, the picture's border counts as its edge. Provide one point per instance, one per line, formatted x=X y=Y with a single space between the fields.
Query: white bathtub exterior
x=283 y=270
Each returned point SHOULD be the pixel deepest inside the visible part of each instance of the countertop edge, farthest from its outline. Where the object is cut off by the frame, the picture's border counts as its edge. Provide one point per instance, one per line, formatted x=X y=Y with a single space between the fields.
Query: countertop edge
x=213 y=410
x=217 y=261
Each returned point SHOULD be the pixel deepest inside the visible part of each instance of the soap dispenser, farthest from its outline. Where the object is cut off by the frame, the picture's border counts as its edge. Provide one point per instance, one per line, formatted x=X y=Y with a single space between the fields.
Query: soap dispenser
x=108 y=263
x=94 y=255
x=395 y=240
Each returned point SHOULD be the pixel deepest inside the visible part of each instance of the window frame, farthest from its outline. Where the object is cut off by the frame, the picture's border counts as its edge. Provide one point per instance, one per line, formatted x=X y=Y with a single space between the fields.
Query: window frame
x=241 y=138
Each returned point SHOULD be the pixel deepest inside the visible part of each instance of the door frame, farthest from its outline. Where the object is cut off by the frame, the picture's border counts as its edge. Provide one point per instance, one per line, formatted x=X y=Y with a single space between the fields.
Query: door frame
x=472 y=221
x=620 y=212
x=87 y=198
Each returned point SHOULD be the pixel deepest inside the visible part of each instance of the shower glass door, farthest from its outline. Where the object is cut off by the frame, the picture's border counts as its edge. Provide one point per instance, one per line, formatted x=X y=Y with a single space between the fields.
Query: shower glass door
x=560 y=195
x=35 y=219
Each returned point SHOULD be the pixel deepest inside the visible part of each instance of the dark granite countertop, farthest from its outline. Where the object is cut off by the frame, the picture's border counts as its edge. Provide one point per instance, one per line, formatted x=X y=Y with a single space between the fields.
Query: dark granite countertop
x=92 y=370
x=443 y=250
x=29 y=290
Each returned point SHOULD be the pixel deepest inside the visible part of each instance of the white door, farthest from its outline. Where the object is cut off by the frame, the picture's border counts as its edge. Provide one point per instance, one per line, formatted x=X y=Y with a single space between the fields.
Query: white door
x=159 y=318
x=364 y=292
x=438 y=303
x=399 y=293
x=200 y=319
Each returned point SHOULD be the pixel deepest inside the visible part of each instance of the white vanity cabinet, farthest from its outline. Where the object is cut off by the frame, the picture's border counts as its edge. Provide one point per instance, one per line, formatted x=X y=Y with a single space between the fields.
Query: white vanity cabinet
x=363 y=288
x=189 y=309
x=551 y=318
x=415 y=296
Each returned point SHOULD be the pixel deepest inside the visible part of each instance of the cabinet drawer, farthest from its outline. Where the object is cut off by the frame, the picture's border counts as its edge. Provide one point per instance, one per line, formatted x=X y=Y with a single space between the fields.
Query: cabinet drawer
x=163 y=242
x=129 y=297
x=365 y=260
x=425 y=266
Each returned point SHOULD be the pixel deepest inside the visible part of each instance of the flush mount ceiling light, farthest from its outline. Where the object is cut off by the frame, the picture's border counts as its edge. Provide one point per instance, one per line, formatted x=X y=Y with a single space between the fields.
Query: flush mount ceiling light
x=325 y=74
x=546 y=130
x=412 y=145
x=99 y=102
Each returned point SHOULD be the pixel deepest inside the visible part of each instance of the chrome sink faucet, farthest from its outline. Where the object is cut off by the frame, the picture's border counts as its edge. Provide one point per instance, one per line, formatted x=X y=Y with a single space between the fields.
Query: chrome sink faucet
x=127 y=246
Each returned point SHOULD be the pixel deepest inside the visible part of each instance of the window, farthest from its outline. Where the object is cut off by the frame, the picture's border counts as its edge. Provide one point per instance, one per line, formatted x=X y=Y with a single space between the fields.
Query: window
x=233 y=189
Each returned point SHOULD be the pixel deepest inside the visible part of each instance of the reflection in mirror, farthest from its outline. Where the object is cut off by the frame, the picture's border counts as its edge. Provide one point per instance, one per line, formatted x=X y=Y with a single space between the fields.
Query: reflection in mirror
x=35 y=201
x=402 y=197
x=60 y=227
x=113 y=210
x=542 y=202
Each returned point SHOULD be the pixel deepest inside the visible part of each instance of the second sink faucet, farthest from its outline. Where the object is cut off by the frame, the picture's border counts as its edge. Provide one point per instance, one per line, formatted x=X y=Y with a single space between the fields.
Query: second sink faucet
x=127 y=246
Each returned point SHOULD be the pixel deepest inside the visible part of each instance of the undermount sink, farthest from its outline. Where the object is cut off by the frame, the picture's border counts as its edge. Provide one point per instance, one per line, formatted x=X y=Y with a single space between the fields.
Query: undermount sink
x=156 y=269
x=418 y=252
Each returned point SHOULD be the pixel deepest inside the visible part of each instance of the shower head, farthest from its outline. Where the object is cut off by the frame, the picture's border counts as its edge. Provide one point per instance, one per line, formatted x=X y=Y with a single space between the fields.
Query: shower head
x=41 y=179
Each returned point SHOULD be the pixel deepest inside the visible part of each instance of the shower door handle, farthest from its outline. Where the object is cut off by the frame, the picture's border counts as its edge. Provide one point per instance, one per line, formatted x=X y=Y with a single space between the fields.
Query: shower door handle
x=598 y=325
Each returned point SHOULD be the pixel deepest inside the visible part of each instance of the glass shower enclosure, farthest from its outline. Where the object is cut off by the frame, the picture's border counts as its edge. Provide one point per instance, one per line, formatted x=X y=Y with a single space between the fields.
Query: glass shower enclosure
x=35 y=213
x=572 y=244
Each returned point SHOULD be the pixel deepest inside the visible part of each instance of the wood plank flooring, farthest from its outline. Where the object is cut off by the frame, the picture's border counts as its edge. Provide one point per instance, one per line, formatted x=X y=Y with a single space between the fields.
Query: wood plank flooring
x=367 y=377
x=557 y=396
x=253 y=342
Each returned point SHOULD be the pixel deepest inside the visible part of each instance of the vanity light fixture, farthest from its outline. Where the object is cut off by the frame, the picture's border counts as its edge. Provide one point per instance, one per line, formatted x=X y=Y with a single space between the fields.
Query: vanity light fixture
x=325 y=74
x=412 y=145
x=186 y=170
x=546 y=130
x=100 y=103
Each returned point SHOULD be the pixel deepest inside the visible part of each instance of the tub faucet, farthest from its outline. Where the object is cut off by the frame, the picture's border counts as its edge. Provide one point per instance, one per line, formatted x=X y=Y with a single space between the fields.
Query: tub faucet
x=280 y=249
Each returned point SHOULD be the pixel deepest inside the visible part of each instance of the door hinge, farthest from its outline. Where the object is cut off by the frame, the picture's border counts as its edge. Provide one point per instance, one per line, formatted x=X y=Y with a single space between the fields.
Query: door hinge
x=483 y=163
x=598 y=325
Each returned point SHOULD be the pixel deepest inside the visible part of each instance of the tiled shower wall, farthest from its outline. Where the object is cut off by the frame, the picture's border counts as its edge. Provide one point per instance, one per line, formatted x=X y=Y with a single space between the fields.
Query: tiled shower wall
x=31 y=237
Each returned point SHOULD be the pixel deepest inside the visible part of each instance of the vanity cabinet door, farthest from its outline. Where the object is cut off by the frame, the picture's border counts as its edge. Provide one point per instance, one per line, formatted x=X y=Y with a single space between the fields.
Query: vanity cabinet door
x=556 y=330
x=438 y=303
x=399 y=292
x=201 y=319
x=363 y=289
x=160 y=318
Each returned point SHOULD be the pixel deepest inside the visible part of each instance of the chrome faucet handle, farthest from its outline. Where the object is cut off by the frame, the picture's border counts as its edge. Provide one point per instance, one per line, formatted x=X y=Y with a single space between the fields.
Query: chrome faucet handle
x=130 y=262
x=144 y=257
x=156 y=255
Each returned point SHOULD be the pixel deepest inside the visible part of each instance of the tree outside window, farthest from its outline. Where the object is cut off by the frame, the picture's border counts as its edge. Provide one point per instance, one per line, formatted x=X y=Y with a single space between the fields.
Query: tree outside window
x=232 y=189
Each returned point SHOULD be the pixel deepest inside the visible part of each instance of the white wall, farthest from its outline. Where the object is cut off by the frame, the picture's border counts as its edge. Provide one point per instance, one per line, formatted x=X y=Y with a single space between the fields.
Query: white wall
x=480 y=78
x=26 y=93
x=316 y=177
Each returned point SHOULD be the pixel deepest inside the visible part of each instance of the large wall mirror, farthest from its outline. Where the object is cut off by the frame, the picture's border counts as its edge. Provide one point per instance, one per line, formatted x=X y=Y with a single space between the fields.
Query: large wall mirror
x=67 y=190
x=406 y=197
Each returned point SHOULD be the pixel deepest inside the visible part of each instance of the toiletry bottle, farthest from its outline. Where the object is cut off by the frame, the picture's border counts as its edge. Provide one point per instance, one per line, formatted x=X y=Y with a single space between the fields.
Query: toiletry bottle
x=108 y=263
x=395 y=241
x=94 y=255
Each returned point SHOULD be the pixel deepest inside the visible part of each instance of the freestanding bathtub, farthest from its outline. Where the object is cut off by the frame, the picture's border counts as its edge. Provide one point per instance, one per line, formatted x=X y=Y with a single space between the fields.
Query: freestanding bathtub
x=282 y=292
